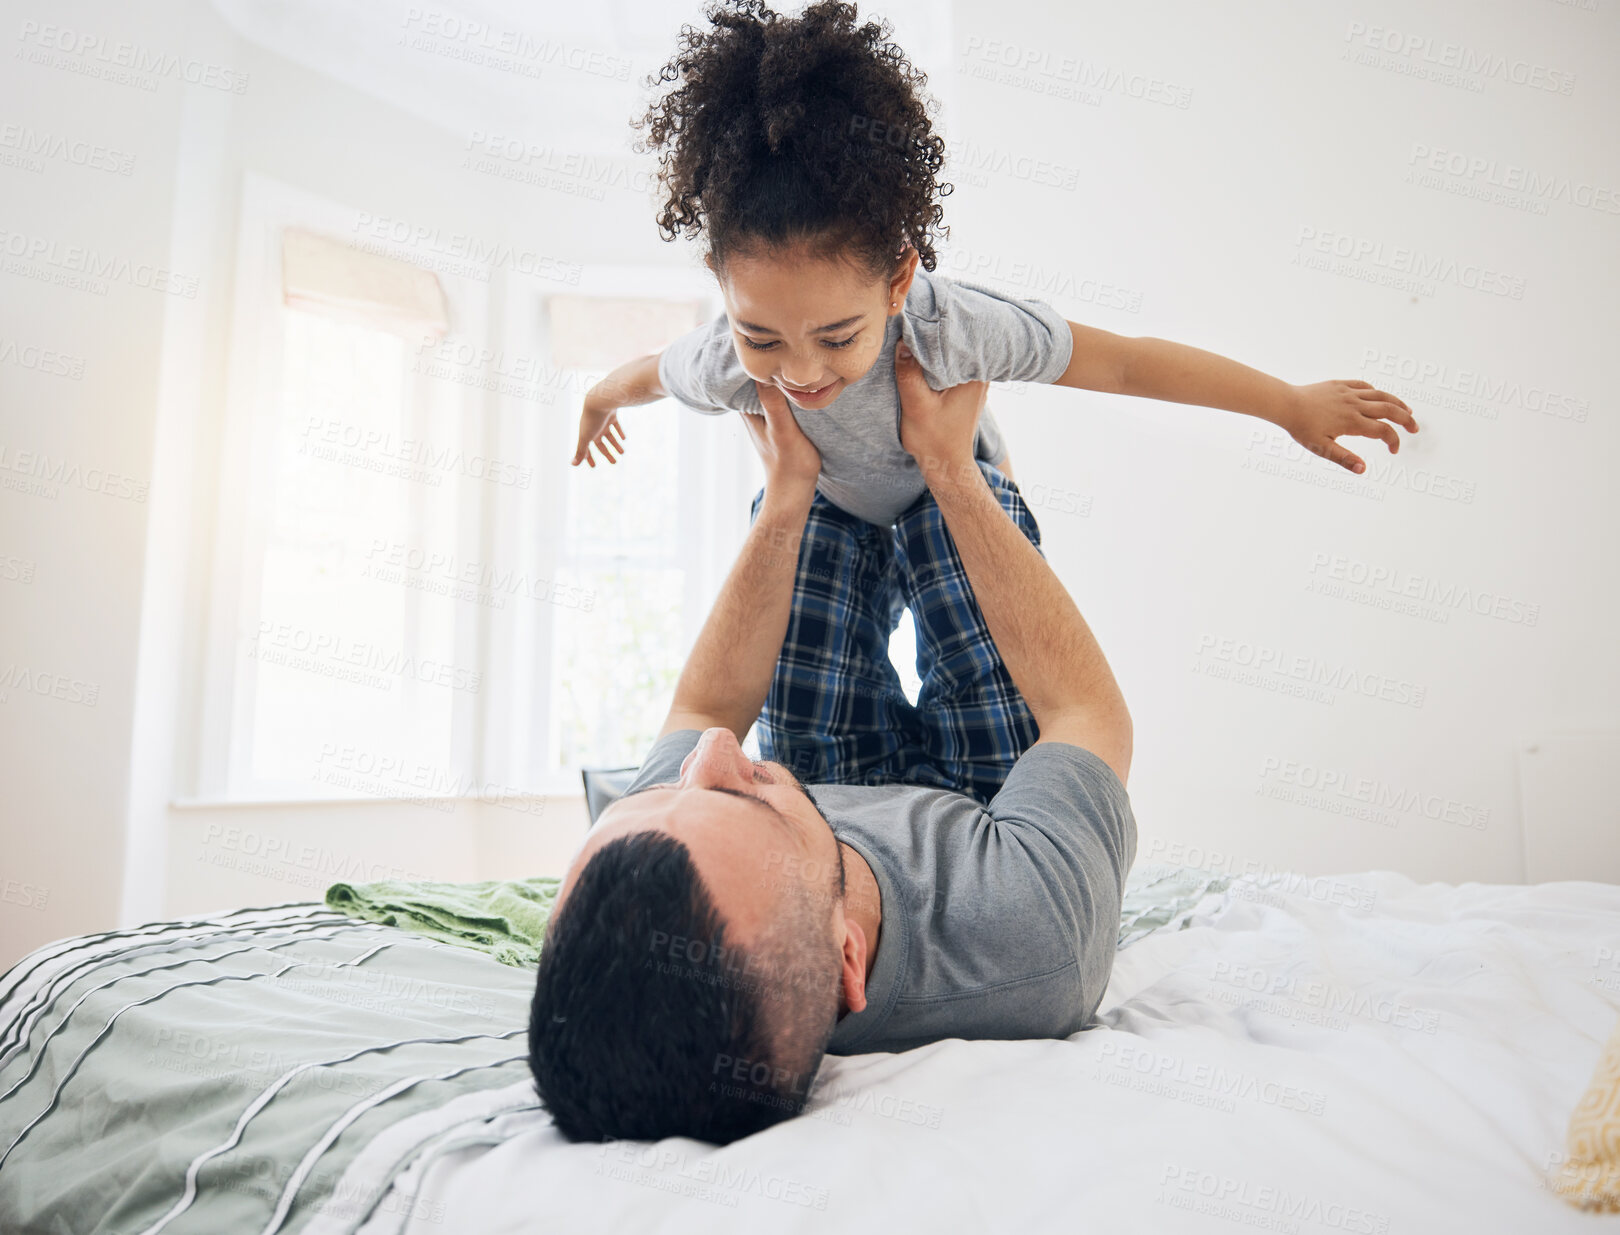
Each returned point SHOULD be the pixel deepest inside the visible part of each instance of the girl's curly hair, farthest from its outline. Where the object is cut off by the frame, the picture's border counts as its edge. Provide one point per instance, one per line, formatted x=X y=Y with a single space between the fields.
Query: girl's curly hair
x=782 y=130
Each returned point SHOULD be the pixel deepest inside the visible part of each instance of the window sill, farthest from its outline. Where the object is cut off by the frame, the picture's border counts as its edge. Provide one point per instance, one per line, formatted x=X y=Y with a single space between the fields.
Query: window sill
x=515 y=802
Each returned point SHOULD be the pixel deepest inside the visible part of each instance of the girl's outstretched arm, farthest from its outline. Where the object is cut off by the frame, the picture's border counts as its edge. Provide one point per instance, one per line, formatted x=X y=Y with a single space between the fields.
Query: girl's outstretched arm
x=632 y=383
x=1312 y=415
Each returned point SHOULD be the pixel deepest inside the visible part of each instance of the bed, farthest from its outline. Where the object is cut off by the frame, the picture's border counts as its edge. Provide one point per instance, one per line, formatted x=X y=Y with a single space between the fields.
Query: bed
x=1359 y=1054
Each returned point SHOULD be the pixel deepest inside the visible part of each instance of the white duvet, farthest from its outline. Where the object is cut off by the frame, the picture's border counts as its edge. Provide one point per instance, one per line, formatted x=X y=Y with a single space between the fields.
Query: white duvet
x=1360 y=1054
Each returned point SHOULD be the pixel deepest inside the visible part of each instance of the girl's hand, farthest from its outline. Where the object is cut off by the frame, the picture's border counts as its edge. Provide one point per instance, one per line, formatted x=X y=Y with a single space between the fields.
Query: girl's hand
x=598 y=426
x=788 y=455
x=1329 y=410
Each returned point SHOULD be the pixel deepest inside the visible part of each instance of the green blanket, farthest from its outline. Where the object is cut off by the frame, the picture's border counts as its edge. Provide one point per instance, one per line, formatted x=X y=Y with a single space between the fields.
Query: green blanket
x=227 y=1073
x=507 y=919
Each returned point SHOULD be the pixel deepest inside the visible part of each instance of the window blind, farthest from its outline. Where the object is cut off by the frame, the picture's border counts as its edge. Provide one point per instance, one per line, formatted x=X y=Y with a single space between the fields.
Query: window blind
x=323 y=275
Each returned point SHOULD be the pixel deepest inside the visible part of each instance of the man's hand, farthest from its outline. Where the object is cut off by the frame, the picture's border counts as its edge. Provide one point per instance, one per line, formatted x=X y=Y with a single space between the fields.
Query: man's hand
x=1327 y=410
x=790 y=458
x=937 y=427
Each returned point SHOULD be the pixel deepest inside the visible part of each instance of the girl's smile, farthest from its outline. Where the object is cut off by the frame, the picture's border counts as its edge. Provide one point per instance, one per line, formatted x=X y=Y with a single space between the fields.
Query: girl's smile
x=818 y=397
x=808 y=324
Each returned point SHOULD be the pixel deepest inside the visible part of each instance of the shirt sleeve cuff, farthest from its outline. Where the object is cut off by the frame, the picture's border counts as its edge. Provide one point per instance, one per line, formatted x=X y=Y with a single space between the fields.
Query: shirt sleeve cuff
x=1062 y=346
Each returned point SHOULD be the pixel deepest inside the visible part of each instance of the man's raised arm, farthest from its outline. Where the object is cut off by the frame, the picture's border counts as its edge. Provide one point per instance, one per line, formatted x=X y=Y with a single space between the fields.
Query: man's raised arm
x=1046 y=645
x=728 y=674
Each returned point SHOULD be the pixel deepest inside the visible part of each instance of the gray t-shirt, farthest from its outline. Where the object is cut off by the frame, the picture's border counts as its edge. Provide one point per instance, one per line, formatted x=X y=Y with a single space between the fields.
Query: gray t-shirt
x=998 y=921
x=959 y=332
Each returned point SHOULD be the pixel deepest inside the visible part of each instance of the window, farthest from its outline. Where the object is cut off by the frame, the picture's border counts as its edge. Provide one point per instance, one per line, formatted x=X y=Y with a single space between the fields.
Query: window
x=616 y=662
x=414 y=594
x=345 y=652
x=639 y=548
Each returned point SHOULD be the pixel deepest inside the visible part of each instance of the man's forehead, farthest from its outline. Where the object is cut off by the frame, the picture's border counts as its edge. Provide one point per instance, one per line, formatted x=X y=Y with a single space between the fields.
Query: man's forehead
x=688 y=802
x=687 y=814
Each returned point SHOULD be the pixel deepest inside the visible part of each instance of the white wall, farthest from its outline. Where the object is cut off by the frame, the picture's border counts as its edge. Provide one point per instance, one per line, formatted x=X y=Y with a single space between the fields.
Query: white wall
x=71 y=610
x=111 y=593
x=1194 y=532
x=1189 y=543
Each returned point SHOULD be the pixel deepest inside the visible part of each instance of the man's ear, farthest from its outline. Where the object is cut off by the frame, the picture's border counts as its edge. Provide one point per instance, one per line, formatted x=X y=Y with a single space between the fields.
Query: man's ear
x=900 y=281
x=852 y=972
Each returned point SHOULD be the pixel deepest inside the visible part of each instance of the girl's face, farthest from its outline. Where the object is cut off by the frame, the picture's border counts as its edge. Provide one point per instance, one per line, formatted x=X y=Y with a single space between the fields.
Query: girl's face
x=810 y=326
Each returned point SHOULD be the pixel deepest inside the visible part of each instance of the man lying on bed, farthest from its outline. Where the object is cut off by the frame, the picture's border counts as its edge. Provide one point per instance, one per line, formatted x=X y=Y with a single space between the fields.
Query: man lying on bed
x=944 y=874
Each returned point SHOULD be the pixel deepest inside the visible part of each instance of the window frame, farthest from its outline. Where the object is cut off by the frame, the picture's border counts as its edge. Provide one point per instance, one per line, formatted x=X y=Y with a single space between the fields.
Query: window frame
x=719 y=473
x=502 y=736
x=253 y=389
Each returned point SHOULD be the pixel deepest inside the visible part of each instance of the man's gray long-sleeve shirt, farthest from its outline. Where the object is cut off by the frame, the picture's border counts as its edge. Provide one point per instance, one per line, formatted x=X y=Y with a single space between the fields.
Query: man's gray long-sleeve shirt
x=998 y=921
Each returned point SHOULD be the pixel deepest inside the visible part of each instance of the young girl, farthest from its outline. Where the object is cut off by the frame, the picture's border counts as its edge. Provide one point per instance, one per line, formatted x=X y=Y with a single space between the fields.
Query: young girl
x=801 y=150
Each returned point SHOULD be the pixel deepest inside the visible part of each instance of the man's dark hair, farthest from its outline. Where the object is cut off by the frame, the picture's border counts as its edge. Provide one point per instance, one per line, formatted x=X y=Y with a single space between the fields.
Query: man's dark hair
x=647 y=1023
x=811 y=128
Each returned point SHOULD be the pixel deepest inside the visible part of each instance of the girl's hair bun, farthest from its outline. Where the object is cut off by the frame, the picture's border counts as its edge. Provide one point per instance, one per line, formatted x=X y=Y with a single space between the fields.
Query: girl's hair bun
x=781 y=130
